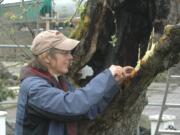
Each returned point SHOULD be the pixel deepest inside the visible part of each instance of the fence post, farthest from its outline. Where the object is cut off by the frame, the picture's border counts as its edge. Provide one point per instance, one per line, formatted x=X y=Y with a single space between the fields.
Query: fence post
x=3 y=122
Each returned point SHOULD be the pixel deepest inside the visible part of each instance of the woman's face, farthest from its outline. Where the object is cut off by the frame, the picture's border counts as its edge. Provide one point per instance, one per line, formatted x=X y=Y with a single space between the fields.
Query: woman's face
x=60 y=61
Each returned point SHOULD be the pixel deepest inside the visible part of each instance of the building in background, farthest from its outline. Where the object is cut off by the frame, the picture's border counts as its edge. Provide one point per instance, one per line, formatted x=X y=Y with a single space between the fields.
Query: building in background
x=32 y=12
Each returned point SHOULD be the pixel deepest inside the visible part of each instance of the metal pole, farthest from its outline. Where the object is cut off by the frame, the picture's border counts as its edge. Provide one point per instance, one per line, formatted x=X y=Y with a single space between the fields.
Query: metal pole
x=163 y=105
x=138 y=131
x=47 y=22
x=37 y=24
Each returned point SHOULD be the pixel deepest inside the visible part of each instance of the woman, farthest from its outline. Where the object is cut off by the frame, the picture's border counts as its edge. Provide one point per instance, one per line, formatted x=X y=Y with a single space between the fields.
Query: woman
x=48 y=104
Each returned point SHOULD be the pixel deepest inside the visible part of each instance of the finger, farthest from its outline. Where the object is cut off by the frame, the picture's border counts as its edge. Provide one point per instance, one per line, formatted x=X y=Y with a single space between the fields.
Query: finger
x=127 y=75
x=118 y=70
x=119 y=79
x=128 y=69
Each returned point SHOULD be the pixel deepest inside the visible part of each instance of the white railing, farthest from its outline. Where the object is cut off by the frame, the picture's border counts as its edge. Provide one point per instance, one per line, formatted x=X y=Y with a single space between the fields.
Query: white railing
x=3 y=122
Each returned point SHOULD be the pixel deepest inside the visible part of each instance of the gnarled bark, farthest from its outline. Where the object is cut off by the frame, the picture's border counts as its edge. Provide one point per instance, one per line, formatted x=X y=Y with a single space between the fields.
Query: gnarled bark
x=121 y=116
x=131 y=22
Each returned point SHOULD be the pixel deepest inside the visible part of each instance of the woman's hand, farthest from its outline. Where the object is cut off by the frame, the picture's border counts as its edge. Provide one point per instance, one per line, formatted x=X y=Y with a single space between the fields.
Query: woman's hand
x=127 y=70
x=121 y=73
x=117 y=72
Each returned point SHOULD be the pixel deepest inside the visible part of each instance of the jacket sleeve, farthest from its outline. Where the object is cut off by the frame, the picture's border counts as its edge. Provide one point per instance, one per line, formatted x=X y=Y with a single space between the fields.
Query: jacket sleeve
x=54 y=103
x=98 y=108
x=103 y=103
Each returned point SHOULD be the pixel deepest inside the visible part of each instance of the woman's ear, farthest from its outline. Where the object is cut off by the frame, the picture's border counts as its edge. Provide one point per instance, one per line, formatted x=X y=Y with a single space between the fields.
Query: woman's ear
x=45 y=57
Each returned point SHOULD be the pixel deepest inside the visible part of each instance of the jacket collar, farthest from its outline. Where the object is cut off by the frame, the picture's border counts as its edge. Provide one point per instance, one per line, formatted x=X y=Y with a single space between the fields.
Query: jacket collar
x=29 y=71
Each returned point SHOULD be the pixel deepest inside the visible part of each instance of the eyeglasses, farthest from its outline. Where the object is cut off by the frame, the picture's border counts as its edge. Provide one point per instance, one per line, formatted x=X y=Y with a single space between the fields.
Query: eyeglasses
x=63 y=52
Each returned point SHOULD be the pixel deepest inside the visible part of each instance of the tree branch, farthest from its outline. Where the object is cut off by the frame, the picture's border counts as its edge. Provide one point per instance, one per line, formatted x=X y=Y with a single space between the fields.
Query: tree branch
x=87 y=47
x=1 y=1
x=162 y=56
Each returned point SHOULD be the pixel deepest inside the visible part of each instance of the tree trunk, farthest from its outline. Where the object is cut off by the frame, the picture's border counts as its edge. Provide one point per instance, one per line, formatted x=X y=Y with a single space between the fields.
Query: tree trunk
x=131 y=22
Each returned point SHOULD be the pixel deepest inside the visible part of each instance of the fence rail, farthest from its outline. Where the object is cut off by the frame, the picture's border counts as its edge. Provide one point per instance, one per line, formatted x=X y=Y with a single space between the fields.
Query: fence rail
x=168 y=105
x=14 y=46
x=13 y=52
x=169 y=132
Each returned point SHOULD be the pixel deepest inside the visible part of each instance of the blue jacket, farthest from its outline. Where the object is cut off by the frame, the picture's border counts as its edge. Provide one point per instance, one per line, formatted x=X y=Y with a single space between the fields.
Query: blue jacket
x=44 y=110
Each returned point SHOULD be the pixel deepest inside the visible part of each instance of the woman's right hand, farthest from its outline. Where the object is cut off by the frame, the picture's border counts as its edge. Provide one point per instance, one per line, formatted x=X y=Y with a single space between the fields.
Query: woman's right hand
x=117 y=72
